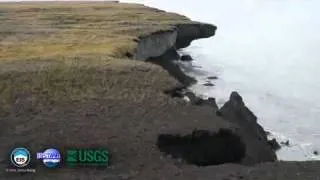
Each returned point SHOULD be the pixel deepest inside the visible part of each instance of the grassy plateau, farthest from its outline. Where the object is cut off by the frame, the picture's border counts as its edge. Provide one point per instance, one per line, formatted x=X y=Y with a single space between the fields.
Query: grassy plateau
x=63 y=51
x=67 y=80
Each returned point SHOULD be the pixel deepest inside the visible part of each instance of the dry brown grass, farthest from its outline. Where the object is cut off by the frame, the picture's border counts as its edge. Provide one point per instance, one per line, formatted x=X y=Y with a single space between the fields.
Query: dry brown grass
x=30 y=30
x=84 y=79
x=62 y=51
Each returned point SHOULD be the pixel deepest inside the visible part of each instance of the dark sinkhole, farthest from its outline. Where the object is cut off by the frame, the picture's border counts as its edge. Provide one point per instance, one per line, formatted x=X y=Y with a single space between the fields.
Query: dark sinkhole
x=204 y=148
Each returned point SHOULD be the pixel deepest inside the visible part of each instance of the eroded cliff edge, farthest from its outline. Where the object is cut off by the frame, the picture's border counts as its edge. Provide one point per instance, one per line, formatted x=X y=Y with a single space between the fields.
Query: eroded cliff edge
x=160 y=48
x=179 y=36
x=71 y=85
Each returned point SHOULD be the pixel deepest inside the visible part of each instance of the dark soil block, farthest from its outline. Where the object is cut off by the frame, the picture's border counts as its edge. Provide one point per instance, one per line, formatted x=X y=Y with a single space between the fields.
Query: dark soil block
x=204 y=148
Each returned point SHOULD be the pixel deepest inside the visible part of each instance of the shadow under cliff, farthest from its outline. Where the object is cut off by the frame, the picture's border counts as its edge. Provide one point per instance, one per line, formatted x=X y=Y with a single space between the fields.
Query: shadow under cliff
x=166 y=61
x=204 y=148
x=245 y=143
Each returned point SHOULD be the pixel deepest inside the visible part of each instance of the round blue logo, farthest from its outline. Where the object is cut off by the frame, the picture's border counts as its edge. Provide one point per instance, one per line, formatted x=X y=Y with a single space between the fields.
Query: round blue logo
x=51 y=158
x=20 y=157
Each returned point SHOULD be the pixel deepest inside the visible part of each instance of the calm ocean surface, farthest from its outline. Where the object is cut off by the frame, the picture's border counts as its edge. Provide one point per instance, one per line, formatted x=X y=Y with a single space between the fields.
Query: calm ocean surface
x=268 y=51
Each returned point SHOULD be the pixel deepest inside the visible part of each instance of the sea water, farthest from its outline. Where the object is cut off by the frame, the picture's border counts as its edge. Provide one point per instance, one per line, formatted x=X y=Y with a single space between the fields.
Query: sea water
x=268 y=51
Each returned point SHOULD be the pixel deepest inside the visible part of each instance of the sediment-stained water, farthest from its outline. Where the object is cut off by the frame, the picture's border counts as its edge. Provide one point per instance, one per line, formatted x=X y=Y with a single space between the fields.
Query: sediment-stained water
x=268 y=51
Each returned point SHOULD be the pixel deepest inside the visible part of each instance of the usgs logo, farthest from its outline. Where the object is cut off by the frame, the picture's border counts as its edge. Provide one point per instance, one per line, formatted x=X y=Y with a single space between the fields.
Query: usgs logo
x=88 y=157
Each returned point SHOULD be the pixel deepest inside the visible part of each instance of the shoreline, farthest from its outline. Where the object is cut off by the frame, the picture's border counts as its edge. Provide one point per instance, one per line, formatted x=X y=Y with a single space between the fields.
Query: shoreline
x=279 y=108
x=139 y=109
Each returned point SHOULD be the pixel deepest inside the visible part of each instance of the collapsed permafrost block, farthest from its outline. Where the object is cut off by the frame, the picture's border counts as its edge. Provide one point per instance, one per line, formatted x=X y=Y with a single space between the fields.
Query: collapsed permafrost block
x=204 y=148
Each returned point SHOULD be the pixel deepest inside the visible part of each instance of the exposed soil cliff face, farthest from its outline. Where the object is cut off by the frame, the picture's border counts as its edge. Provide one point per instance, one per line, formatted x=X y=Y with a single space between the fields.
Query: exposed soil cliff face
x=189 y=32
x=181 y=35
x=93 y=100
x=253 y=135
x=155 y=44
x=160 y=48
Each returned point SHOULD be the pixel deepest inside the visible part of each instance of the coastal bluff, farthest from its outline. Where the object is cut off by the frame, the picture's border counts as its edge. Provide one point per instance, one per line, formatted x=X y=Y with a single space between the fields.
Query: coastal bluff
x=101 y=74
